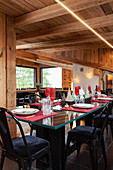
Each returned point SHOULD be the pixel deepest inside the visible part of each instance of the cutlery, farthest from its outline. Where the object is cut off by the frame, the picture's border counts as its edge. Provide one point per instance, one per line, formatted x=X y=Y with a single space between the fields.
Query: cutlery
x=32 y=116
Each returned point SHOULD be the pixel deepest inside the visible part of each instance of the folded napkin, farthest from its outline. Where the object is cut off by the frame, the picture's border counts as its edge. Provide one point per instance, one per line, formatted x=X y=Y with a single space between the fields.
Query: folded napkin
x=71 y=108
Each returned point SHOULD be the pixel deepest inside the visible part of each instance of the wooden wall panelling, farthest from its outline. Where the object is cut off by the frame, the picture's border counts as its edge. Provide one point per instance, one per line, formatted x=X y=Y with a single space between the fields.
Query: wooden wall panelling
x=92 y=56
x=108 y=81
x=67 y=78
x=101 y=80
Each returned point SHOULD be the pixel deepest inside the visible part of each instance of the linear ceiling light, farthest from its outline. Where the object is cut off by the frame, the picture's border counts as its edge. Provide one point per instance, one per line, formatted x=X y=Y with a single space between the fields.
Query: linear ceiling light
x=86 y=25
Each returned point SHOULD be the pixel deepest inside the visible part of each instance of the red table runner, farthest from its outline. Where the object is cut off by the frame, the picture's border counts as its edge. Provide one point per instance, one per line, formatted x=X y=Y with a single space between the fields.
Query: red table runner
x=37 y=116
x=99 y=101
x=71 y=108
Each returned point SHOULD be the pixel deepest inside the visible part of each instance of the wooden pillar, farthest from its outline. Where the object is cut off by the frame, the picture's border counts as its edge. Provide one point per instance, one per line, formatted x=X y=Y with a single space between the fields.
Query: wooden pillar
x=11 y=63
x=3 y=60
x=8 y=65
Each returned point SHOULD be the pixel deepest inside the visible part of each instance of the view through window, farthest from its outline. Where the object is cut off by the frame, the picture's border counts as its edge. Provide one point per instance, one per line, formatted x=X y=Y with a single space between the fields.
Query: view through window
x=25 y=77
x=51 y=77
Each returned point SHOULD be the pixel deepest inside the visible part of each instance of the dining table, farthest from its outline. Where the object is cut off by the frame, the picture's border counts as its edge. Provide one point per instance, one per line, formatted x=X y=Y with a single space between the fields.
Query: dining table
x=52 y=127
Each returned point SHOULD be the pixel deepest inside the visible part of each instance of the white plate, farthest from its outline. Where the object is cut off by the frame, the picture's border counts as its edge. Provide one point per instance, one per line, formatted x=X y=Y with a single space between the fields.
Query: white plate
x=104 y=98
x=84 y=105
x=25 y=111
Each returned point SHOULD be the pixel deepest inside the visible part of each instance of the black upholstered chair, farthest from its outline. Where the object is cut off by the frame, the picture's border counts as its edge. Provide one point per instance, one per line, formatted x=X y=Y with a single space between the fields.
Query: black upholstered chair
x=110 y=118
x=25 y=149
x=32 y=98
x=91 y=136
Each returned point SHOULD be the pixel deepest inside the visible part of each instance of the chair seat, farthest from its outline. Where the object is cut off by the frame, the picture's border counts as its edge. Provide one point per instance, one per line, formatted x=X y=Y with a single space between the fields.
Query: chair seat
x=84 y=132
x=35 y=144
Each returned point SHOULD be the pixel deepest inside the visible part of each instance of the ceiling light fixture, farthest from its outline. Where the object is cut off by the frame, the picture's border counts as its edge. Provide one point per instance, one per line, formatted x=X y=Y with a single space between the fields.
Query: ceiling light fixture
x=85 y=24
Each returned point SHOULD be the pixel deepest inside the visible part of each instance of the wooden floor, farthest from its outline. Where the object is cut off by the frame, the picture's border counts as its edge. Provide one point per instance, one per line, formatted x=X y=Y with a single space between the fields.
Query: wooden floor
x=80 y=163
x=83 y=161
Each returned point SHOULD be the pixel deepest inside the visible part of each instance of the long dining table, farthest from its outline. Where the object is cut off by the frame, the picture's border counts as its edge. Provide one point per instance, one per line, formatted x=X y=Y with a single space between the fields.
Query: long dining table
x=53 y=128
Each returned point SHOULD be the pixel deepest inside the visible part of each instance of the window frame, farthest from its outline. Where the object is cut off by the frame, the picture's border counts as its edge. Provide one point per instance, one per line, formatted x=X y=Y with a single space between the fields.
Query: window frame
x=41 y=77
x=35 y=78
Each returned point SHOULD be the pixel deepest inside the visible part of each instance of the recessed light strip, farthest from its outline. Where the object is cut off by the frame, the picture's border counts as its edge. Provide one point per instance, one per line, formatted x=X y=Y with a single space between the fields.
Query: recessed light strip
x=86 y=25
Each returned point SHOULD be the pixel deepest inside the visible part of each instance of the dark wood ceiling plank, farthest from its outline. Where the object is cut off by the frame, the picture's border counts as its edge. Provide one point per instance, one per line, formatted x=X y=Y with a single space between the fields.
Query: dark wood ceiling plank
x=68 y=28
x=56 y=10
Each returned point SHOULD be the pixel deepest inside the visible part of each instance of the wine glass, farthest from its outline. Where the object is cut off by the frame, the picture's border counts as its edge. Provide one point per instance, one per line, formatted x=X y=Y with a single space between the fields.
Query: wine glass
x=52 y=95
x=47 y=91
x=77 y=93
x=89 y=88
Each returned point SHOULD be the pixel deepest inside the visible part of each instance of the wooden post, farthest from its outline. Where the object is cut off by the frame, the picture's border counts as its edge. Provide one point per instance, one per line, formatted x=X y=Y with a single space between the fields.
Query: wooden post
x=8 y=66
x=3 y=61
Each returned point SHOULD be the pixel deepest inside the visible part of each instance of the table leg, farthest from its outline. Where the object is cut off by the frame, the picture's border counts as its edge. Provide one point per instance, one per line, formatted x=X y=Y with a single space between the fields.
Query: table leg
x=57 y=145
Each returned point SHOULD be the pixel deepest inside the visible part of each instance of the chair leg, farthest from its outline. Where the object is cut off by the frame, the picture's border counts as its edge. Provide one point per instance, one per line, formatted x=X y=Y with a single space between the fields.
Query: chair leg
x=67 y=148
x=93 y=155
x=31 y=131
x=107 y=128
x=2 y=160
x=71 y=125
x=104 y=152
x=111 y=126
x=78 y=147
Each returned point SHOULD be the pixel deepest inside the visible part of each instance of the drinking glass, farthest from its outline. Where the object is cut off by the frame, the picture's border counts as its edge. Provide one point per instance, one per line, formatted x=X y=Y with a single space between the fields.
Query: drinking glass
x=46 y=106
x=47 y=91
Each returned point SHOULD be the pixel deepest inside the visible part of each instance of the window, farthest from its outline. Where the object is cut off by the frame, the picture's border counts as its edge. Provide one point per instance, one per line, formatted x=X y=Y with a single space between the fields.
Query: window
x=51 y=77
x=25 y=77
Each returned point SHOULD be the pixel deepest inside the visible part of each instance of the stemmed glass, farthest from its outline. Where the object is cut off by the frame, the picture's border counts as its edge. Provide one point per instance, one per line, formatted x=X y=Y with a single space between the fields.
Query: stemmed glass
x=89 y=88
x=52 y=95
x=47 y=91
x=77 y=93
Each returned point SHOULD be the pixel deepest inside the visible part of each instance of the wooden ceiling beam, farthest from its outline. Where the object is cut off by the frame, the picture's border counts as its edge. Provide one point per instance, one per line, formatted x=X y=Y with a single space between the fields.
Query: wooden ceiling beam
x=53 y=56
x=56 y=10
x=68 y=28
x=21 y=55
x=62 y=42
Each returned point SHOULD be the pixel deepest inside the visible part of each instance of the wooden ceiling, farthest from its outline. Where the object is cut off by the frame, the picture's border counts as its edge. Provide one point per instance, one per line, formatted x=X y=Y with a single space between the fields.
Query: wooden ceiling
x=44 y=28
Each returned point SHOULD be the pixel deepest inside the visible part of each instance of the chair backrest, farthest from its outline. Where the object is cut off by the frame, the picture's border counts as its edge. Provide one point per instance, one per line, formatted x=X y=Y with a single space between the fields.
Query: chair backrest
x=101 y=123
x=5 y=132
x=32 y=98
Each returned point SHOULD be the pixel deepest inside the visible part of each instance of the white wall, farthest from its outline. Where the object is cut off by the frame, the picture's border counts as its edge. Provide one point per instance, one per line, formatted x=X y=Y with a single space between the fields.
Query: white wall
x=85 y=77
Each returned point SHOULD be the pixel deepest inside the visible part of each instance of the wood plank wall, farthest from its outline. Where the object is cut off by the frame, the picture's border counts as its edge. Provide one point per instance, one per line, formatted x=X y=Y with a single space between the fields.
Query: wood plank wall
x=101 y=58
